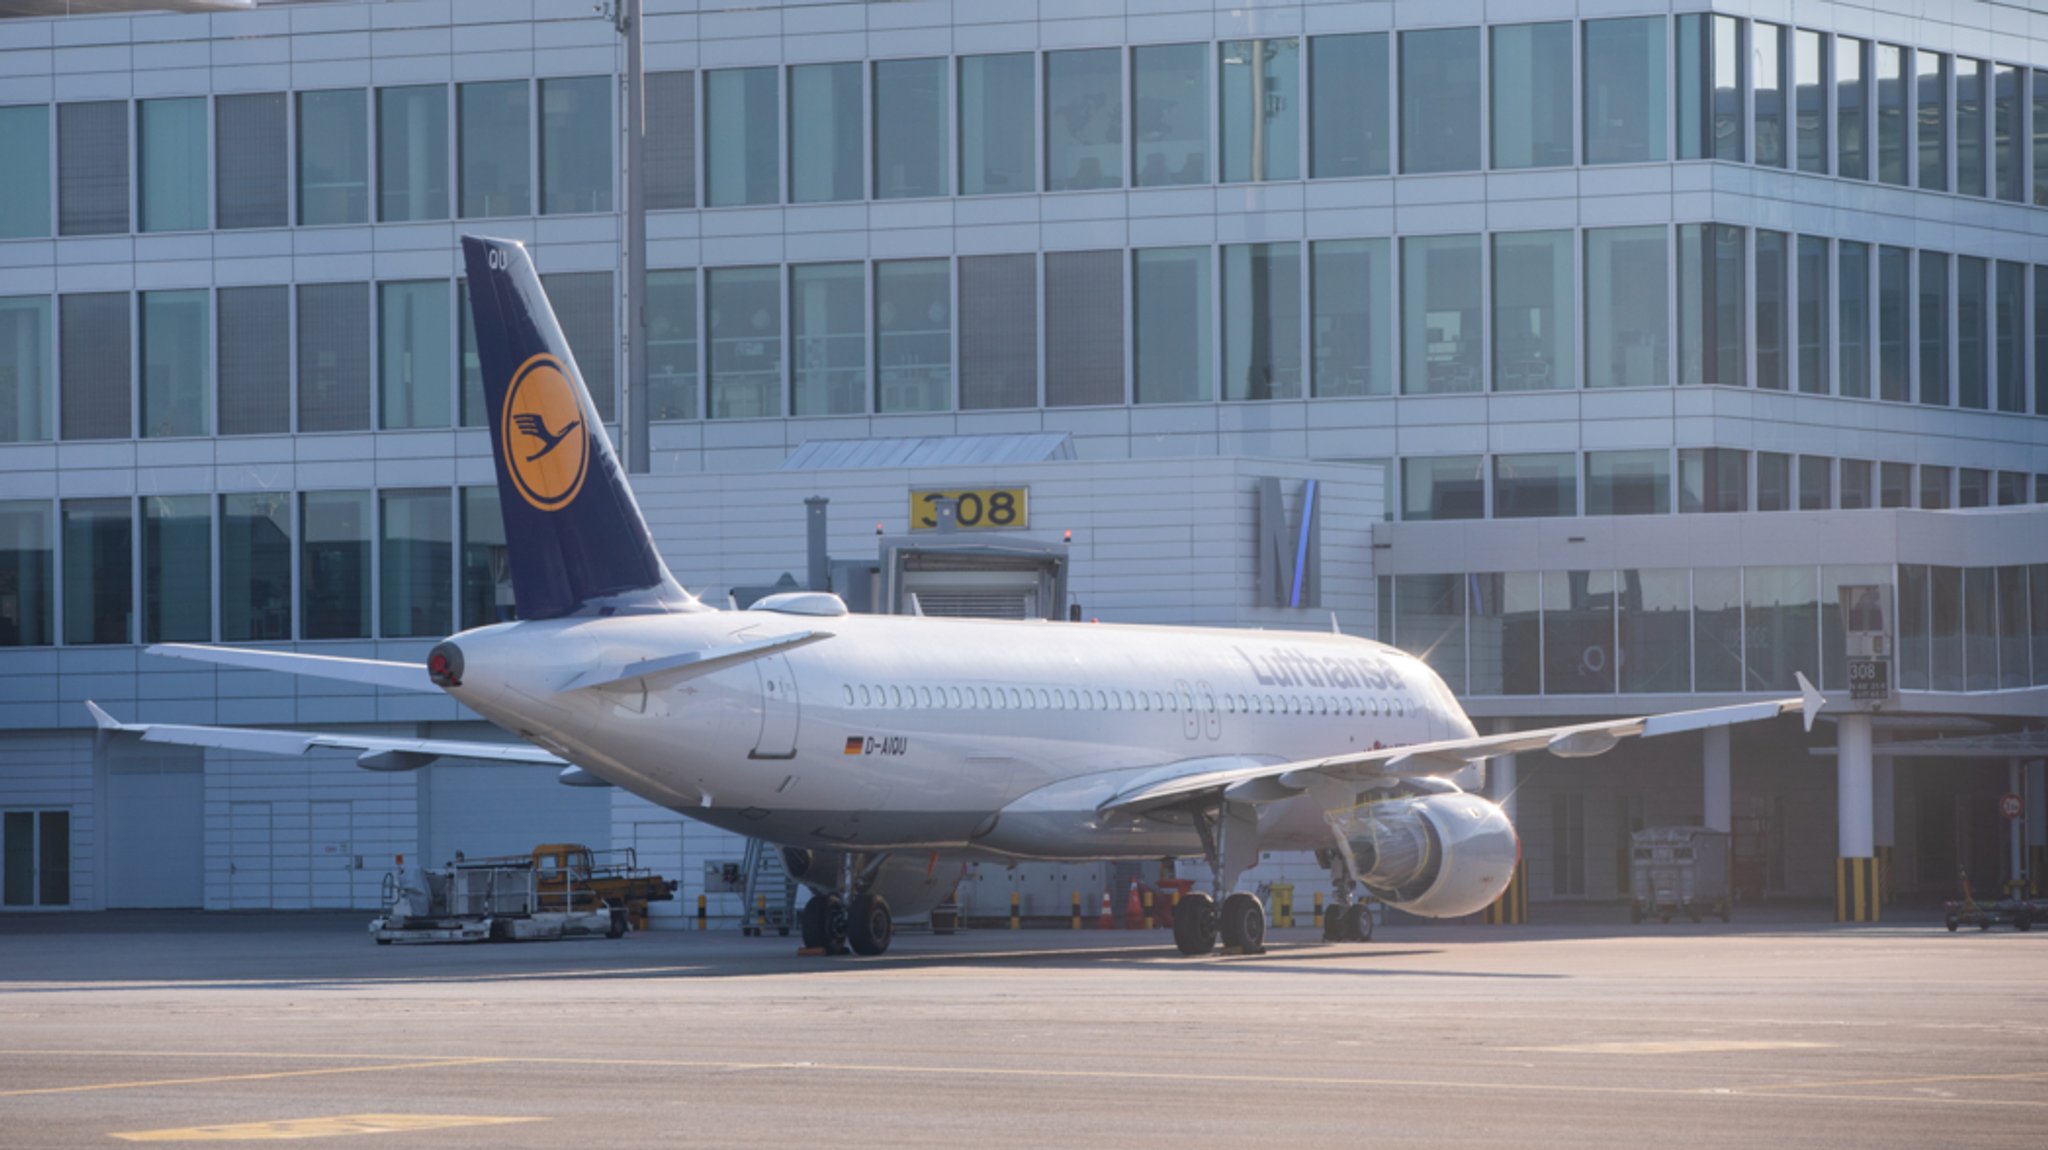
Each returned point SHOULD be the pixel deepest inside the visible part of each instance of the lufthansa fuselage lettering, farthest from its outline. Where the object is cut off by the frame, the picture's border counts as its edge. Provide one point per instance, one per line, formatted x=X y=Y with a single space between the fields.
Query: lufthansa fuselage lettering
x=1292 y=667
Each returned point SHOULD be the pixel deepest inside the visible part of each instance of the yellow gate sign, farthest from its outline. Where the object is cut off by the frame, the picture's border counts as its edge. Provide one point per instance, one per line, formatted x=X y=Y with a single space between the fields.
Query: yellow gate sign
x=981 y=508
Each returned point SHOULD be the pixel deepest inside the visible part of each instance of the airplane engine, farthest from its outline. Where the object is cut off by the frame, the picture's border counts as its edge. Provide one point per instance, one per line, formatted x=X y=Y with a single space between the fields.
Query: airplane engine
x=912 y=884
x=1437 y=855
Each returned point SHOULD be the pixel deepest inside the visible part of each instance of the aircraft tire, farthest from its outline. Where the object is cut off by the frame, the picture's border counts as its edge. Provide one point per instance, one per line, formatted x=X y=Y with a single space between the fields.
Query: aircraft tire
x=1333 y=923
x=868 y=925
x=1194 y=924
x=1243 y=923
x=823 y=920
x=1358 y=923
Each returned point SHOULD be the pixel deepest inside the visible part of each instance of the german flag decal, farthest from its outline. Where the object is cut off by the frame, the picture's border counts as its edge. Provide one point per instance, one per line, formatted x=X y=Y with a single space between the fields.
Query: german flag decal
x=854 y=743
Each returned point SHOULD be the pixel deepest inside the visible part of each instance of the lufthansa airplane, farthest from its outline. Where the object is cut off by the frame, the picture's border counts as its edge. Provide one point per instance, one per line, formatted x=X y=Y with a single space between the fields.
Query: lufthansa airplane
x=880 y=751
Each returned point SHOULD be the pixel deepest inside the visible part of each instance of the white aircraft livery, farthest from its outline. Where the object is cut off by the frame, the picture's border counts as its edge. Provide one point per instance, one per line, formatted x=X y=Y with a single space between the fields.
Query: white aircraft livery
x=881 y=751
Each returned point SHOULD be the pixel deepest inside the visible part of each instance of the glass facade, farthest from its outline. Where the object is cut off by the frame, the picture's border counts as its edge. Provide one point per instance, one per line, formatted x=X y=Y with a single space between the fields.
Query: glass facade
x=911 y=129
x=412 y=153
x=334 y=564
x=1852 y=320
x=1810 y=102
x=998 y=332
x=913 y=336
x=1628 y=294
x=584 y=303
x=1711 y=276
x=92 y=168
x=1260 y=127
x=743 y=324
x=25 y=179
x=1084 y=117
x=1443 y=487
x=670 y=148
x=1894 y=129
x=177 y=363
x=1773 y=320
x=1170 y=302
x=99 y=582
x=1351 y=300
x=334 y=357
x=1930 y=105
x=1533 y=486
x=494 y=148
x=26 y=336
x=334 y=157
x=828 y=331
x=416 y=354
x=252 y=181
x=1084 y=328
x=1710 y=87
x=1170 y=115
x=1442 y=325
x=1712 y=479
x=1971 y=77
x=1440 y=107
x=1350 y=123
x=1262 y=321
x=486 y=576
x=255 y=566
x=998 y=125
x=1628 y=483
x=1770 y=118
x=1973 y=332
x=1894 y=325
x=171 y=167
x=177 y=569
x=1814 y=316
x=417 y=579
x=576 y=145
x=27 y=571
x=1852 y=108
x=825 y=140
x=93 y=385
x=1531 y=93
x=672 y=344
x=1933 y=328
x=1532 y=311
x=1626 y=91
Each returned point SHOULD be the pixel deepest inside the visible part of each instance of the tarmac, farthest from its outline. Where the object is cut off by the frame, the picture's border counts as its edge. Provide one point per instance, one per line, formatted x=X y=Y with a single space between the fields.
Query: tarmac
x=211 y=1029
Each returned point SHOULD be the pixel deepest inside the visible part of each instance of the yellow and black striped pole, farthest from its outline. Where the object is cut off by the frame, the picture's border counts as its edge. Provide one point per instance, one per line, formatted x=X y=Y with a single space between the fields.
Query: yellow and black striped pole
x=1856 y=890
x=1512 y=907
x=700 y=912
x=1077 y=910
x=1015 y=916
x=1884 y=874
x=1319 y=909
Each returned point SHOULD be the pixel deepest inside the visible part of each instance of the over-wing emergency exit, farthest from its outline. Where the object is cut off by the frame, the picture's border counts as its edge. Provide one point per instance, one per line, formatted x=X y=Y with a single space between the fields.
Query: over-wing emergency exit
x=870 y=746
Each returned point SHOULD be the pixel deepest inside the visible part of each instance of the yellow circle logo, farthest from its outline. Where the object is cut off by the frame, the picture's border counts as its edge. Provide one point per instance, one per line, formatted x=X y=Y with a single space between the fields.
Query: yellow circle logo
x=543 y=436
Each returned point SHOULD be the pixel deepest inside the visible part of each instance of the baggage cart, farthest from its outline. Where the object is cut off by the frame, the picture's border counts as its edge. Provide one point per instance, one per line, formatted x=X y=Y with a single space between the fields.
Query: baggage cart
x=1679 y=870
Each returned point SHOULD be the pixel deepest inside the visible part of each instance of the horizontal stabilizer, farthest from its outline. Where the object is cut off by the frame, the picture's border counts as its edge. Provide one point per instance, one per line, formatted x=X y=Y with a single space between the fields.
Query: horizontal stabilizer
x=370 y=672
x=376 y=754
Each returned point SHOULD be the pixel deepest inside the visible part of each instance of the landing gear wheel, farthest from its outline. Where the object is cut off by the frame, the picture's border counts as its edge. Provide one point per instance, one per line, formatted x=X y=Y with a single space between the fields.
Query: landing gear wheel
x=868 y=925
x=1358 y=923
x=1333 y=924
x=1243 y=923
x=1194 y=924
x=1952 y=924
x=823 y=920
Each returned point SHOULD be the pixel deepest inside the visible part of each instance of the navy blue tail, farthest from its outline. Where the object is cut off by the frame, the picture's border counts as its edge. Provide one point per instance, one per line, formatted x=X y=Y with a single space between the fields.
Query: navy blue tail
x=572 y=530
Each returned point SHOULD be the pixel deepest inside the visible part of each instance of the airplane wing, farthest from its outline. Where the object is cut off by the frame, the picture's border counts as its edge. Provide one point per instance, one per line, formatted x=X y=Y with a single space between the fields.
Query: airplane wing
x=371 y=672
x=377 y=754
x=1268 y=782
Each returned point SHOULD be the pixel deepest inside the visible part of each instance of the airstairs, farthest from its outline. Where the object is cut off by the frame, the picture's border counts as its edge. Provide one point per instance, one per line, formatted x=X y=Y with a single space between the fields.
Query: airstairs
x=770 y=895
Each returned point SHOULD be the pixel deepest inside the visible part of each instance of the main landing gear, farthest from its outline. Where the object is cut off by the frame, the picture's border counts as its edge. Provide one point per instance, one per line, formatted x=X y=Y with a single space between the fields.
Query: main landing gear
x=1241 y=921
x=836 y=924
x=1348 y=919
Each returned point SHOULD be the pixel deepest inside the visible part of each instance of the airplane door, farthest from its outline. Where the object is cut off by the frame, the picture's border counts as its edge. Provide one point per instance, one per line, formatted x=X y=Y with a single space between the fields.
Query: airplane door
x=778 y=709
x=1190 y=719
x=1212 y=723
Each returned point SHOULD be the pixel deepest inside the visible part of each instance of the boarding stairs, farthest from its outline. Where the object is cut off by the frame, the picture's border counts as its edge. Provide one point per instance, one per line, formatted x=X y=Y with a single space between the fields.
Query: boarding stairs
x=769 y=901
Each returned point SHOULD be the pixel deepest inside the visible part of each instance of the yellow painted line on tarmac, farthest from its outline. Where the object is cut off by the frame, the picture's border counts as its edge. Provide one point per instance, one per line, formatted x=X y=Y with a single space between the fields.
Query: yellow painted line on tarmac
x=293 y=1128
x=1674 y=1046
x=433 y=1065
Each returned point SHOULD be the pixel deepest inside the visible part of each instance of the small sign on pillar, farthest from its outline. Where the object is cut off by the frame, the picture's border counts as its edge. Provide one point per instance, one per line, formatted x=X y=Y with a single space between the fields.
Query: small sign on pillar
x=1867 y=641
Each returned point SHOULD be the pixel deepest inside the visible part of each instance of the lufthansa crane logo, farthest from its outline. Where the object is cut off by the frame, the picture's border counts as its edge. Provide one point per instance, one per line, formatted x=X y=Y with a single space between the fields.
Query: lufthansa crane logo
x=543 y=437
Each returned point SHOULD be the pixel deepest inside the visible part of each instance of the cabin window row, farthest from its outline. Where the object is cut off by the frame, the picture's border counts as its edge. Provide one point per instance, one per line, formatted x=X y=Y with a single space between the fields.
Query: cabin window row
x=999 y=698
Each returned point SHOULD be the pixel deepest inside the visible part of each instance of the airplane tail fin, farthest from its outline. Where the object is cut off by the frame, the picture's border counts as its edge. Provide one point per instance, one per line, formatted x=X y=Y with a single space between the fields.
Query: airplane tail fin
x=574 y=534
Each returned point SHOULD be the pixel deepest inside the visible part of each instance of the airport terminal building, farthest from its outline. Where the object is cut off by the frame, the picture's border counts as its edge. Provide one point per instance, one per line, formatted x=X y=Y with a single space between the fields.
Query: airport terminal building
x=1586 y=347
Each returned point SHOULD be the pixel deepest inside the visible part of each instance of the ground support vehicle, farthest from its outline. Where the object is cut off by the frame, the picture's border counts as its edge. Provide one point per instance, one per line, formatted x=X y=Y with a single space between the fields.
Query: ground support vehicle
x=2015 y=911
x=560 y=890
x=1679 y=870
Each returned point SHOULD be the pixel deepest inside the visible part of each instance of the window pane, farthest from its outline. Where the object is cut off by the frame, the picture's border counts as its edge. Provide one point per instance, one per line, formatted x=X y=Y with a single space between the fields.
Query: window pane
x=25 y=368
x=1810 y=96
x=1442 y=487
x=2012 y=628
x=417 y=358
x=1507 y=634
x=670 y=149
x=25 y=178
x=1578 y=632
x=172 y=189
x=255 y=566
x=334 y=357
x=745 y=328
x=98 y=573
x=2040 y=150
x=672 y=345
x=1170 y=113
x=486 y=576
x=1773 y=271
x=26 y=569
x=1858 y=485
x=1262 y=321
x=584 y=304
x=1717 y=629
x=1628 y=328
x=1970 y=81
x=1781 y=626
x=1710 y=289
x=1628 y=483
x=1767 y=50
x=177 y=569
x=1353 y=301
x=1440 y=315
x=1655 y=624
x=334 y=158
x=1535 y=486
x=2007 y=179
x=1973 y=487
x=1913 y=627
x=1893 y=142
x=1945 y=616
x=1814 y=314
x=913 y=336
x=997 y=129
x=1973 y=335
x=1930 y=79
x=468 y=365
x=1712 y=479
x=1853 y=319
x=1773 y=481
x=2041 y=340
x=1934 y=488
x=177 y=346
x=1532 y=95
x=1532 y=311
x=910 y=128
x=1084 y=328
x=92 y=168
x=1816 y=483
x=576 y=145
x=825 y=144
x=1170 y=292
x=94 y=387
x=999 y=332
x=1894 y=319
x=2037 y=608
x=1349 y=122
x=417 y=550
x=1852 y=109
x=334 y=561
x=1429 y=619
x=2010 y=304
x=412 y=153
x=495 y=146
x=1625 y=89
x=1261 y=123
x=1084 y=116
x=1934 y=328
x=1895 y=485
x=1440 y=100
x=828 y=353
x=251 y=176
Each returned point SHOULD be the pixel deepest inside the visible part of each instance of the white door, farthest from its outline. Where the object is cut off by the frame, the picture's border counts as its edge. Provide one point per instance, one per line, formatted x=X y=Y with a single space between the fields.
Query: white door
x=156 y=838
x=249 y=861
x=778 y=709
x=333 y=861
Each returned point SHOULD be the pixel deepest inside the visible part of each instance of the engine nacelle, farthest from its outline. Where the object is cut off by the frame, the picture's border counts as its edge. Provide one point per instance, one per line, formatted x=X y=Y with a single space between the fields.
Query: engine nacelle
x=1437 y=855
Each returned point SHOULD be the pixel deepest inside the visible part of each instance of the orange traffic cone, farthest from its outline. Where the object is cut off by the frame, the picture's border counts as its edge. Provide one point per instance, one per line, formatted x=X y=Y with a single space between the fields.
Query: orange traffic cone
x=1134 y=909
x=1108 y=919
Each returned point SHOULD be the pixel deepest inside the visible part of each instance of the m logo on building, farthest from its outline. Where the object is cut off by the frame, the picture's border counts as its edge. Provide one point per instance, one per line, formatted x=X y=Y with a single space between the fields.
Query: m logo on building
x=544 y=437
x=1290 y=548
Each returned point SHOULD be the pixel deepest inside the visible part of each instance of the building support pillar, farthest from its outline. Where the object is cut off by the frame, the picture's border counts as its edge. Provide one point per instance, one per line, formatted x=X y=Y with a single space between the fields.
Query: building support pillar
x=1716 y=801
x=2016 y=833
x=1512 y=907
x=1856 y=869
x=2037 y=827
x=1883 y=795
